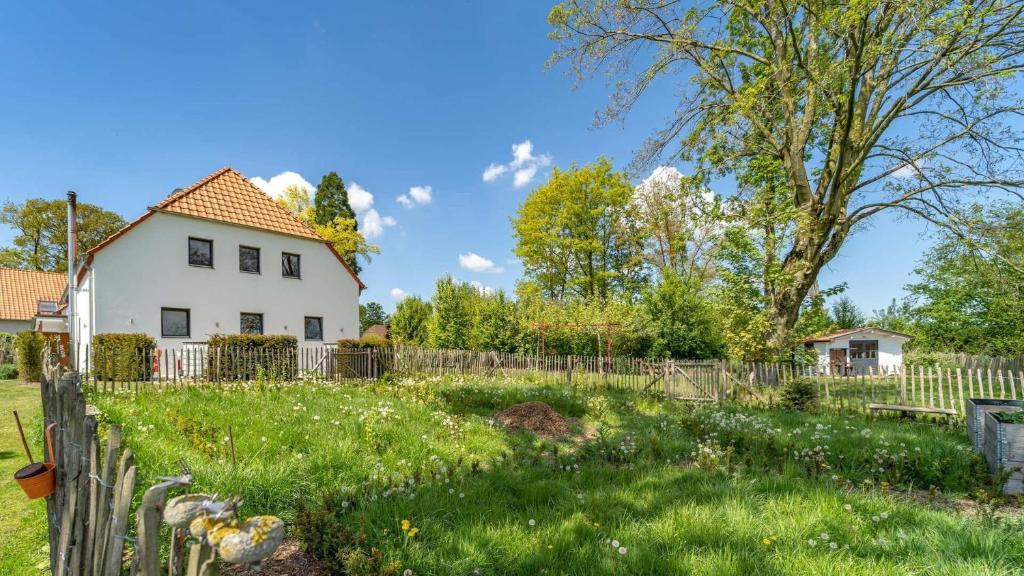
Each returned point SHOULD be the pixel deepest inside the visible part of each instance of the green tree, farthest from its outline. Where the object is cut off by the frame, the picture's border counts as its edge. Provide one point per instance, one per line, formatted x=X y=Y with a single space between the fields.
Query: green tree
x=497 y=324
x=40 y=226
x=342 y=232
x=410 y=322
x=863 y=107
x=573 y=238
x=845 y=314
x=453 y=307
x=970 y=294
x=683 y=320
x=331 y=203
x=370 y=314
x=898 y=316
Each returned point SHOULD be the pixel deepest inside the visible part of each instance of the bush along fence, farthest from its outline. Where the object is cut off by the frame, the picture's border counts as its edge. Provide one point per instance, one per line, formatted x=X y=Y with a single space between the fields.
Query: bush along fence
x=946 y=390
x=89 y=497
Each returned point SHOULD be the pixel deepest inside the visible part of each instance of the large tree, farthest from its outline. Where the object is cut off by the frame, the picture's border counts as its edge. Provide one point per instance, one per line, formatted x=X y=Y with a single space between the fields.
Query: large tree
x=342 y=231
x=410 y=322
x=845 y=314
x=573 y=237
x=330 y=203
x=371 y=314
x=970 y=295
x=41 y=236
x=861 y=107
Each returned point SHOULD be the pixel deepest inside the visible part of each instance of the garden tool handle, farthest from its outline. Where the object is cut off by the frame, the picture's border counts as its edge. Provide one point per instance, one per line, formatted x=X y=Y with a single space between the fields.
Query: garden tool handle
x=49 y=442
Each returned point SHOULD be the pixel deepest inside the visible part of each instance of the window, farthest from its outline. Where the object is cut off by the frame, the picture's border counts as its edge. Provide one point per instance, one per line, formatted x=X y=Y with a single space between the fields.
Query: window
x=290 y=265
x=863 y=349
x=251 y=323
x=314 y=328
x=200 y=252
x=249 y=259
x=174 y=322
x=46 y=307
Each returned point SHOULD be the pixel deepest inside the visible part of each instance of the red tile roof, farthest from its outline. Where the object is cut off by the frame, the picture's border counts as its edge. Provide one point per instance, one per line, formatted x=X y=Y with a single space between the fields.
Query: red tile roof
x=227 y=196
x=850 y=331
x=21 y=291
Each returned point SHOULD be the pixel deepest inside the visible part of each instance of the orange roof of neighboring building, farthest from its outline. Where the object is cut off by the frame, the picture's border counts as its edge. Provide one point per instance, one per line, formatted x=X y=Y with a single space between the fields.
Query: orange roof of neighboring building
x=850 y=331
x=21 y=291
x=378 y=330
x=227 y=196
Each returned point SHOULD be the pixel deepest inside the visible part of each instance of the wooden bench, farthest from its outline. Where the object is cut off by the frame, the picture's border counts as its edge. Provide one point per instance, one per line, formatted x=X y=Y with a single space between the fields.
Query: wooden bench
x=906 y=410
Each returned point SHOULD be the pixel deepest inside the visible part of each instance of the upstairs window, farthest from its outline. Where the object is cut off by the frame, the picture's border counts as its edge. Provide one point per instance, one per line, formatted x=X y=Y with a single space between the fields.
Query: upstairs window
x=174 y=323
x=46 y=307
x=291 y=265
x=251 y=323
x=200 y=252
x=249 y=259
x=314 y=328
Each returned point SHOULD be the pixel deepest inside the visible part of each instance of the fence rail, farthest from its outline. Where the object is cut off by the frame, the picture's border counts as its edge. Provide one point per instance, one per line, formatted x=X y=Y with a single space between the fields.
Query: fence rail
x=918 y=386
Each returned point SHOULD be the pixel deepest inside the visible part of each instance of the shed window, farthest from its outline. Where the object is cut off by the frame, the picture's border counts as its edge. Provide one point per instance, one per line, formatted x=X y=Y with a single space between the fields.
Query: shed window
x=175 y=322
x=863 y=349
x=251 y=323
x=291 y=265
x=249 y=259
x=314 y=328
x=200 y=252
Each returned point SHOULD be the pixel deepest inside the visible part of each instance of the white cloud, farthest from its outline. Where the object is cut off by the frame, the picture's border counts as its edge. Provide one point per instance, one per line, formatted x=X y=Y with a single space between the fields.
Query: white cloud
x=524 y=164
x=374 y=224
x=416 y=195
x=480 y=287
x=276 y=185
x=359 y=198
x=492 y=172
x=909 y=170
x=397 y=293
x=477 y=263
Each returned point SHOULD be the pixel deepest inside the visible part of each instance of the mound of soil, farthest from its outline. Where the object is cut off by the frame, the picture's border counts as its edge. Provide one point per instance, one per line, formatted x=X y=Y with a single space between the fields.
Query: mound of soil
x=288 y=560
x=536 y=417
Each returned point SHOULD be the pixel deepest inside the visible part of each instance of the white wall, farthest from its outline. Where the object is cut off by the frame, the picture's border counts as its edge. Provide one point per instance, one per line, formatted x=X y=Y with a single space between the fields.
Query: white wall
x=147 y=268
x=15 y=326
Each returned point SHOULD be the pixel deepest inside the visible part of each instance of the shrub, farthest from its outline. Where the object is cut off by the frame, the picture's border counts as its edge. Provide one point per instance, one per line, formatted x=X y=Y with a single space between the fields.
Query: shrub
x=246 y=356
x=6 y=348
x=123 y=357
x=29 y=346
x=374 y=342
x=800 y=394
x=8 y=371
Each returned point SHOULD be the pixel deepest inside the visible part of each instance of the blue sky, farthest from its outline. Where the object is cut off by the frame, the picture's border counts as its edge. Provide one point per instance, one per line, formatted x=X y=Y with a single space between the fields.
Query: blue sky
x=126 y=102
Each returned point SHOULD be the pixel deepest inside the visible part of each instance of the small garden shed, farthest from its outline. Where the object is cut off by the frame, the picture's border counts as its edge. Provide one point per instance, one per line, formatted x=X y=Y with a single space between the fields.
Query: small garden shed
x=858 y=350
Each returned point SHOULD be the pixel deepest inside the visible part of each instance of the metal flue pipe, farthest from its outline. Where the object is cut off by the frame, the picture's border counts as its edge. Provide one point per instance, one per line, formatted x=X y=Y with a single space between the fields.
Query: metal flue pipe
x=72 y=259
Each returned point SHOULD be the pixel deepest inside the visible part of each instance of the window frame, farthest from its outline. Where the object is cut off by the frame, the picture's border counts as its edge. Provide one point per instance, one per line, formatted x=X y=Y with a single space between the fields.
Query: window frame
x=241 y=315
x=259 y=259
x=198 y=239
x=864 y=349
x=298 y=262
x=305 y=334
x=188 y=322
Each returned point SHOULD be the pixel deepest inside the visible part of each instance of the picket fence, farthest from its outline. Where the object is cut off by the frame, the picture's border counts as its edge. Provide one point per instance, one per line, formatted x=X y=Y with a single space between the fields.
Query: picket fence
x=701 y=380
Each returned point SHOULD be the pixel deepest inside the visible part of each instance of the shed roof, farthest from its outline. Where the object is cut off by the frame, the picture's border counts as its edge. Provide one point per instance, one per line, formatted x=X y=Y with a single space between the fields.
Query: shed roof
x=832 y=336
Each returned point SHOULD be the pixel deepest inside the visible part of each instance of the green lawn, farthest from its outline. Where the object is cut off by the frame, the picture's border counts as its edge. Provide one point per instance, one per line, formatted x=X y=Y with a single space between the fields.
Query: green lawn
x=22 y=522
x=712 y=490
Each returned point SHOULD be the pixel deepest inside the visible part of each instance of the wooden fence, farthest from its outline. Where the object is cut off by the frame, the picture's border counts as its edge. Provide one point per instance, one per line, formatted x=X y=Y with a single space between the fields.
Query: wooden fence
x=918 y=386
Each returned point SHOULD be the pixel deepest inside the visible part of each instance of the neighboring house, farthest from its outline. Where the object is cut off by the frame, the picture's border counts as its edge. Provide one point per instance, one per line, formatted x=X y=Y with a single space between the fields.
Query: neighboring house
x=859 y=350
x=26 y=295
x=218 y=257
x=377 y=331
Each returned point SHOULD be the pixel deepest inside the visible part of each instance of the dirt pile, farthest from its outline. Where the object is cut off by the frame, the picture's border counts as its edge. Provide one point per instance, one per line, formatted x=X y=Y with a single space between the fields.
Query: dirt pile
x=536 y=417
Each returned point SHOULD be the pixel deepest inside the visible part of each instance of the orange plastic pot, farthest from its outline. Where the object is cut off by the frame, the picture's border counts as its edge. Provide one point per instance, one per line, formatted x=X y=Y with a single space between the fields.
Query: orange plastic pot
x=39 y=480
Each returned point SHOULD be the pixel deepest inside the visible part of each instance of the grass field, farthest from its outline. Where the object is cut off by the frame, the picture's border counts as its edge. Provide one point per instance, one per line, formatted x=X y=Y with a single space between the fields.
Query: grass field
x=413 y=475
x=22 y=522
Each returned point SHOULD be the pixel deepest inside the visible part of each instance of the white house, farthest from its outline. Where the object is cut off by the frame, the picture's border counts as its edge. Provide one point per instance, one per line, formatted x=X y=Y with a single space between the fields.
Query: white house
x=218 y=257
x=858 y=350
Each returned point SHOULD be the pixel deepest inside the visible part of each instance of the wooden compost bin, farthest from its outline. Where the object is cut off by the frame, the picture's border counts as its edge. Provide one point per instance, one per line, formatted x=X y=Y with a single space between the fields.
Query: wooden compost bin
x=976 y=410
x=1004 y=449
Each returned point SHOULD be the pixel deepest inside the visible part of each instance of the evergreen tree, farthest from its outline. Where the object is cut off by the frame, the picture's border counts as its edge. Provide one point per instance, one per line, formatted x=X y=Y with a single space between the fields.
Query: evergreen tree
x=330 y=203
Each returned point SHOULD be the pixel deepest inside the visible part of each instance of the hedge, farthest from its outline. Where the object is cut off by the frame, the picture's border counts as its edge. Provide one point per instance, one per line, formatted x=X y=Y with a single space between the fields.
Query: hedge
x=248 y=356
x=29 y=346
x=123 y=357
x=6 y=348
x=8 y=371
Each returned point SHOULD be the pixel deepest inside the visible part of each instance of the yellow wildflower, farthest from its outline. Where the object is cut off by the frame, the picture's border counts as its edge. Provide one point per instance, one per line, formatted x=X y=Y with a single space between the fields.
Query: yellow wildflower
x=413 y=532
x=405 y=525
x=767 y=541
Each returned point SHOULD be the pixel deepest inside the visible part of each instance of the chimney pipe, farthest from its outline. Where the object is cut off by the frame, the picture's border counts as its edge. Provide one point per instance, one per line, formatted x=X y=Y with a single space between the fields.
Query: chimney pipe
x=72 y=260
